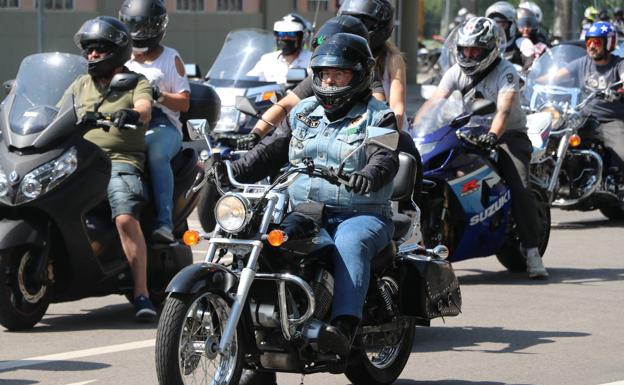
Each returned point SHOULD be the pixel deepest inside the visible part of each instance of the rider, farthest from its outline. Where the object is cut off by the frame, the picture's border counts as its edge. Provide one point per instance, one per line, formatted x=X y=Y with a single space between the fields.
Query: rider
x=598 y=70
x=541 y=33
x=105 y=42
x=274 y=66
x=504 y=14
x=531 y=44
x=497 y=80
x=163 y=67
x=618 y=21
x=589 y=17
x=358 y=219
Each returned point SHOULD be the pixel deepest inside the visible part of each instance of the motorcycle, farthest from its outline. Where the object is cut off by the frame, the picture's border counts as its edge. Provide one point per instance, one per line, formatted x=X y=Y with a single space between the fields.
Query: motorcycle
x=574 y=168
x=264 y=292
x=57 y=241
x=466 y=204
x=241 y=51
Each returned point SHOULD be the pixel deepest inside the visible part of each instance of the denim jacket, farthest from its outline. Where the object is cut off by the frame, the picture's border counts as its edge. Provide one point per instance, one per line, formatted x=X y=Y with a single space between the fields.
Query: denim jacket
x=328 y=143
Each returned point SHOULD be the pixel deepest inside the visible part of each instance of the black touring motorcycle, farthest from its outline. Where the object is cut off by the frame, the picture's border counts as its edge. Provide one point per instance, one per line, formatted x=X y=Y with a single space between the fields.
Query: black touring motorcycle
x=264 y=291
x=57 y=240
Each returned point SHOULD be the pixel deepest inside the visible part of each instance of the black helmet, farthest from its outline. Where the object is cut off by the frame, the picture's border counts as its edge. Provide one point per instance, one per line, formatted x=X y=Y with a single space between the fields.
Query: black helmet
x=107 y=33
x=377 y=16
x=339 y=24
x=344 y=51
x=146 y=20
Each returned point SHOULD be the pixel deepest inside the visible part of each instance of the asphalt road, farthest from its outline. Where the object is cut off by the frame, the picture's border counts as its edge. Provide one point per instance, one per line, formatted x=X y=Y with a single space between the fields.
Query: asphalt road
x=567 y=330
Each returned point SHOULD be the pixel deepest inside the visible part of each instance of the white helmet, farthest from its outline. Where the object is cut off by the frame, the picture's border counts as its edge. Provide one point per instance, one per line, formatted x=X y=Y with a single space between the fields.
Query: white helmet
x=531 y=6
x=505 y=12
x=288 y=24
x=478 y=32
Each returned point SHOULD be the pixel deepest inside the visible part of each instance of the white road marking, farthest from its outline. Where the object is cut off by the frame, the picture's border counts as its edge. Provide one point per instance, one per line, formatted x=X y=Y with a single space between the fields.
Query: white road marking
x=8 y=365
x=83 y=383
x=615 y=383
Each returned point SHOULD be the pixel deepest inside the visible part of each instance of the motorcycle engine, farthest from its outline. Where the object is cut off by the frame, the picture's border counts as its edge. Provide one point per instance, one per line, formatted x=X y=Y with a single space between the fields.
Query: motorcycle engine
x=323 y=288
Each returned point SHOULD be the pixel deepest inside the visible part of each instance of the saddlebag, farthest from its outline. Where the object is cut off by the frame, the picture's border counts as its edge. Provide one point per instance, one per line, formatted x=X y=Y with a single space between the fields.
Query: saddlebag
x=429 y=287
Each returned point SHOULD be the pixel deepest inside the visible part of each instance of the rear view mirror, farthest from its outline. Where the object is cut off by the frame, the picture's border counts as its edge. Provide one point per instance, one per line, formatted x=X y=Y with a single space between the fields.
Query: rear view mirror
x=192 y=71
x=246 y=106
x=483 y=107
x=383 y=137
x=123 y=82
x=296 y=75
x=197 y=128
x=7 y=86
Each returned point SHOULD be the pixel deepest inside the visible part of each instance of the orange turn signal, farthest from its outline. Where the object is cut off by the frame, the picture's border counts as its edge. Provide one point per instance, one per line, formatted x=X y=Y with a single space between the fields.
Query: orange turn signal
x=276 y=238
x=191 y=237
x=575 y=140
x=267 y=95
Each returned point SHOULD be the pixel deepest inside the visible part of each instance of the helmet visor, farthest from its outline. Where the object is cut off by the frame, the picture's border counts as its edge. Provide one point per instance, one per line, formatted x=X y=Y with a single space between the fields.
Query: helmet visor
x=99 y=30
x=145 y=27
x=360 y=7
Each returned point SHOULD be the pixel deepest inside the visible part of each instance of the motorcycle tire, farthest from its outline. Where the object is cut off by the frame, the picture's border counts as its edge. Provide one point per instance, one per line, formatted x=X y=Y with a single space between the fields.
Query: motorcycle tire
x=511 y=255
x=365 y=368
x=183 y=326
x=613 y=212
x=208 y=197
x=23 y=301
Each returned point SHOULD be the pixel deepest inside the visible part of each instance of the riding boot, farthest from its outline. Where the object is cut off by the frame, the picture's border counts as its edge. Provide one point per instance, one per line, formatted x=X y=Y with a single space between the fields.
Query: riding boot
x=338 y=337
x=252 y=377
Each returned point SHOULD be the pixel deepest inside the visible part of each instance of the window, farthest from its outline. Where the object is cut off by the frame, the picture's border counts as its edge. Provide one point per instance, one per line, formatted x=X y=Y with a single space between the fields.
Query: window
x=190 y=5
x=321 y=4
x=56 y=5
x=229 y=5
x=9 y=3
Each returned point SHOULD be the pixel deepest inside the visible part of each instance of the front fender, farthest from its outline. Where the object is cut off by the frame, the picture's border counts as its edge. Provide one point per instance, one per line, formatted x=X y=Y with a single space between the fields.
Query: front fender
x=196 y=277
x=17 y=232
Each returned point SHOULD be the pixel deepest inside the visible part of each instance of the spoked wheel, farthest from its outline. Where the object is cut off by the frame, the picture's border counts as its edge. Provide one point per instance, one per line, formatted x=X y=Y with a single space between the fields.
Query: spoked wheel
x=187 y=342
x=511 y=255
x=23 y=298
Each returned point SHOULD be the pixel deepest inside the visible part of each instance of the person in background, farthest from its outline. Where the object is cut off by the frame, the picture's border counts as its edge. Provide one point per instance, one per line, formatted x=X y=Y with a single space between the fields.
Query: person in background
x=590 y=15
x=163 y=67
x=274 y=66
x=529 y=41
x=504 y=14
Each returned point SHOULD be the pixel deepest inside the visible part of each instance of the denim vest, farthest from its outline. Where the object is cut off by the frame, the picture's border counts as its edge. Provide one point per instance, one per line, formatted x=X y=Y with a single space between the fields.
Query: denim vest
x=328 y=143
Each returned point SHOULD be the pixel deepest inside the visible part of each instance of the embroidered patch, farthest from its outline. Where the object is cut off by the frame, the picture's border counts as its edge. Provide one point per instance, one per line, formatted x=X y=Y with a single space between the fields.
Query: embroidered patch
x=510 y=78
x=358 y=119
x=310 y=122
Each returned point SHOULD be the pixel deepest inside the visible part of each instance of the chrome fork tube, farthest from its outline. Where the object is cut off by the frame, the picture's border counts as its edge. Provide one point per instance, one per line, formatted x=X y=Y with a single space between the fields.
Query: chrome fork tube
x=246 y=278
x=561 y=153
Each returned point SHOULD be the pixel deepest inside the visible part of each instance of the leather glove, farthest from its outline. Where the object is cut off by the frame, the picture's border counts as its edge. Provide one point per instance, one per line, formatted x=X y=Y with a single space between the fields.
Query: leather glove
x=487 y=141
x=125 y=116
x=216 y=169
x=359 y=184
x=156 y=94
x=247 y=142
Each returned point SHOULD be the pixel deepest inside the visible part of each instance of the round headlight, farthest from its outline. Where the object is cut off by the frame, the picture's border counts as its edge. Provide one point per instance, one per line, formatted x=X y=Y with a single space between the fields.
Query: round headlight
x=231 y=212
x=555 y=114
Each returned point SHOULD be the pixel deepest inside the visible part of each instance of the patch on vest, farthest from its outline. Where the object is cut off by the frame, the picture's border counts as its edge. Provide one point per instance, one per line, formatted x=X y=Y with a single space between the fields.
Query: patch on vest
x=358 y=119
x=308 y=121
x=510 y=78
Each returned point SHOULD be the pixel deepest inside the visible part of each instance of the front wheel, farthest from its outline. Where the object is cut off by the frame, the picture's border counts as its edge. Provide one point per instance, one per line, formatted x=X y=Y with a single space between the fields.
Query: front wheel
x=23 y=298
x=187 y=339
x=511 y=255
x=381 y=365
x=613 y=212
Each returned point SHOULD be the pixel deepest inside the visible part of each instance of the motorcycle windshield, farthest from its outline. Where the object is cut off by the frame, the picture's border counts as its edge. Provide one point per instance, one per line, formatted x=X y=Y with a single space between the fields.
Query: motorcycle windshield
x=241 y=51
x=437 y=116
x=39 y=86
x=544 y=88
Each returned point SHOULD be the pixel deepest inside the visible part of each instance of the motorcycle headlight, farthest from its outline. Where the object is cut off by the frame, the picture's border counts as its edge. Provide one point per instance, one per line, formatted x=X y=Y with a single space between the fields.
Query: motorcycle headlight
x=555 y=114
x=228 y=120
x=46 y=177
x=232 y=212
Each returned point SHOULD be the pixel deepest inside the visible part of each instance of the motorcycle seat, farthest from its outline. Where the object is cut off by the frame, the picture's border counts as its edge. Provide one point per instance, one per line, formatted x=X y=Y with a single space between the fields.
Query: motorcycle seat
x=402 y=224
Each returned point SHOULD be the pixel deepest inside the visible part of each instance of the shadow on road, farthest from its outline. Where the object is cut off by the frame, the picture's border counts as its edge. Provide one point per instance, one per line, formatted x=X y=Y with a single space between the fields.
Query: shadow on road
x=450 y=382
x=48 y=366
x=5 y=381
x=587 y=225
x=484 y=339
x=557 y=275
x=118 y=316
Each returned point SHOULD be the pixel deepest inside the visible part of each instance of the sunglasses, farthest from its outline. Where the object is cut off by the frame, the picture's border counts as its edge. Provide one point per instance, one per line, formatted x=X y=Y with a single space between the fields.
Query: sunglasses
x=286 y=35
x=100 y=48
x=593 y=42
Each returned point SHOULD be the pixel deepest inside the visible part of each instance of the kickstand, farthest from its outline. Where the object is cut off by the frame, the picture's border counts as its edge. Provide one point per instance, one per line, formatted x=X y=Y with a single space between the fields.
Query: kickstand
x=302 y=376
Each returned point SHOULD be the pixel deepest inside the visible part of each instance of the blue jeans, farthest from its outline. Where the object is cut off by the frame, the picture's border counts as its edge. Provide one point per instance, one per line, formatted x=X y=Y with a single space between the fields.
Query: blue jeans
x=162 y=143
x=358 y=238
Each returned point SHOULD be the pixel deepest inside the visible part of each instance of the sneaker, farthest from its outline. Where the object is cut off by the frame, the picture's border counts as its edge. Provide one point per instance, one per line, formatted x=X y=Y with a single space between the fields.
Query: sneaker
x=163 y=234
x=535 y=266
x=251 y=377
x=144 y=308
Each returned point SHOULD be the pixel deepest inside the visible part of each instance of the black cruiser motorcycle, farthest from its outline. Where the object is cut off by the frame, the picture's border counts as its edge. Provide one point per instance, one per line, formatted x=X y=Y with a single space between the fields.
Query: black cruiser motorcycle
x=264 y=291
x=57 y=240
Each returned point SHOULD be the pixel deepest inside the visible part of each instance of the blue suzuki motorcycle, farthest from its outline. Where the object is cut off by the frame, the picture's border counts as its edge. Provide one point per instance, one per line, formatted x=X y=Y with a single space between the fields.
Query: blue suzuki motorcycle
x=466 y=204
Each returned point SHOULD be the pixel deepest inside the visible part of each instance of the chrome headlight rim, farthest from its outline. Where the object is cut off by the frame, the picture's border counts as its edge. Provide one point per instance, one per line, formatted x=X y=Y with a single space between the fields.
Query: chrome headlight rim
x=556 y=114
x=244 y=209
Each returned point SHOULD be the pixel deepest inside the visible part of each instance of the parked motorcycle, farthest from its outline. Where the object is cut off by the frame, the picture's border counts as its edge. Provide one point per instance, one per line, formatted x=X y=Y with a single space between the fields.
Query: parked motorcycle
x=575 y=168
x=466 y=204
x=263 y=307
x=57 y=240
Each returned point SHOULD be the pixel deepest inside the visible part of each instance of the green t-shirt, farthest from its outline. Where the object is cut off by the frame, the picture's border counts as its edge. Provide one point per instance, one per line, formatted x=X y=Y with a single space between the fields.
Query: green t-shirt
x=121 y=145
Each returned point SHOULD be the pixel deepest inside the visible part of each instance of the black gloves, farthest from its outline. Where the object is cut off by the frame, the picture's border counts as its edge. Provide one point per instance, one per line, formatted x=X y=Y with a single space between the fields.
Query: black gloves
x=156 y=94
x=125 y=116
x=487 y=141
x=247 y=142
x=359 y=184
